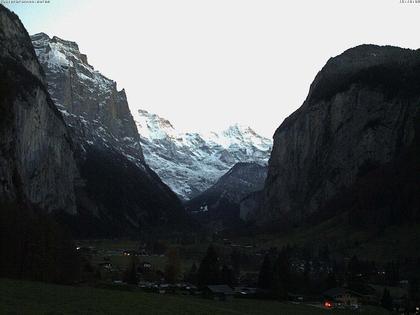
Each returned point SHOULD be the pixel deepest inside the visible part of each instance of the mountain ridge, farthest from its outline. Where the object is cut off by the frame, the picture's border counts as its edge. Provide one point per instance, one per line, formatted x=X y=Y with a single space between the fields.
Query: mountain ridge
x=218 y=207
x=190 y=162
x=106 y=142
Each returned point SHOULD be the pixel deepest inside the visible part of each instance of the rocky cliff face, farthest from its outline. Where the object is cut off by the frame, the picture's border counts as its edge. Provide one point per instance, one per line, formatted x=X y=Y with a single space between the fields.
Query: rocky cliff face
x=118 y=193
x=36 y=155
x=249 y=206
x=360 y=114
x=190 y=163
x=219 y=205
x=91 y=104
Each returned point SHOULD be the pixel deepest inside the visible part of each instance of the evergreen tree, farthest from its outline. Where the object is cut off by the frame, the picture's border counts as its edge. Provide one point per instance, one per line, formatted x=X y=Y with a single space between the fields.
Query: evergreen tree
x=173 y=266
x=324 y=253
x=414 y=288
x=331 y=281
x=227 y=276
x=386 y=300
x=130 y=275
x=307 y=276
x=265 y=275
x=209 y=270
x=194 y=268
x=34 y=247
x=98 y=275
x=354 y=267
x=191 y=276
x=284 y=272
x=392 y=272
x=275 y=275
x=236 y=262
x=277 y=286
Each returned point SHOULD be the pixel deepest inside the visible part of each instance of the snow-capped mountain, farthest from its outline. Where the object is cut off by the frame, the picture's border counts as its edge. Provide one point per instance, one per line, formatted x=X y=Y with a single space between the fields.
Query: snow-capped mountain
x=117 y=192
x=190 y=162
x=98 y=115
x=89 y=101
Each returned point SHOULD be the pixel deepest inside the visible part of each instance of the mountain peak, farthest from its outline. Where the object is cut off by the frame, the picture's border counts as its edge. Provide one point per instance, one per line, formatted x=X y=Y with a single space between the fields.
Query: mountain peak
x=152 y=126
x=59 y=52
x=70 y=44
x=241 y=129
x=40 y=36
x=364 y=64
x=80 y=92
x=55 y=39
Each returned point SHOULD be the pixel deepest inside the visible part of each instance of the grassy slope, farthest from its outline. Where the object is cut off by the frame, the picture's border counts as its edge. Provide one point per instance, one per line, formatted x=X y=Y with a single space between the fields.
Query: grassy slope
x=390 y=244
x=19 y=297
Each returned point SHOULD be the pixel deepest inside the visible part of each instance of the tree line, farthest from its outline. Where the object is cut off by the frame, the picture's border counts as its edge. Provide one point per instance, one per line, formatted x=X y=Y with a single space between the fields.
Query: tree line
x=34 y=247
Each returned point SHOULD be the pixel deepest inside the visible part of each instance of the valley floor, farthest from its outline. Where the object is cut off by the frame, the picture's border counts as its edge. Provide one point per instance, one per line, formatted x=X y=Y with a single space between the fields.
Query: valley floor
x=22 y=297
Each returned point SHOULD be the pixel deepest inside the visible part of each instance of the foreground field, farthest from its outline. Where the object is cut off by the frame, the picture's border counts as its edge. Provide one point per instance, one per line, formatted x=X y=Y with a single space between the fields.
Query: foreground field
x=19 y=297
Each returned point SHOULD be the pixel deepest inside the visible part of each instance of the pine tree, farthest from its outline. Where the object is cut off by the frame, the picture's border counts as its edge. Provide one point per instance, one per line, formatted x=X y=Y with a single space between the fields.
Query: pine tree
x=284 y=273
x=236 y=262
x=265 y=275
x=227 y=276
x=392 y=270
x=331 y=281
x=130 y=275
x=307 y=276
x=191 y=276
x=354 y=267
x=209 y=270
x=277 y=287
x=324 y=253
x=173 y=266
x=386 y=300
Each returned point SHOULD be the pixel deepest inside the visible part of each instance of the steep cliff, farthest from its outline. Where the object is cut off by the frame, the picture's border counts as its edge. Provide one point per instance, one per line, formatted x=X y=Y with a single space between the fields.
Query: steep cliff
x=218 y=206
x=36 y=155
x=37 y=168
x=360 y=115
x=118 y=194
x=91 y=104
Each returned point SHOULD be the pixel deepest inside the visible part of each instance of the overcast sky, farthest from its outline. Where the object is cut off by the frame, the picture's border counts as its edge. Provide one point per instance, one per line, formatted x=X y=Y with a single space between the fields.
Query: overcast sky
x=207 y=64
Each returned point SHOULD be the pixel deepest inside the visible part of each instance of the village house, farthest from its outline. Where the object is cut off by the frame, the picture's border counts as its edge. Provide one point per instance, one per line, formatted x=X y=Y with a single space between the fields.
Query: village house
x=131 y=253
x=220 y=292
x=341 y=297
x=245 y=291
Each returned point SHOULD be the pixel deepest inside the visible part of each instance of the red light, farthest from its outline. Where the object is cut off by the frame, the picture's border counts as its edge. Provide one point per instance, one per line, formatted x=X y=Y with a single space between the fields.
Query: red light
x=327 y=304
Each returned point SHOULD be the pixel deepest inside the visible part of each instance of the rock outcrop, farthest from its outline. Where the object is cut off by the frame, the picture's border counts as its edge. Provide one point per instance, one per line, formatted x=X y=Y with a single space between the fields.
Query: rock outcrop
x=36 y=154
x=219 y=205
x=91 y=104
x=361 y=113
x=249 y=206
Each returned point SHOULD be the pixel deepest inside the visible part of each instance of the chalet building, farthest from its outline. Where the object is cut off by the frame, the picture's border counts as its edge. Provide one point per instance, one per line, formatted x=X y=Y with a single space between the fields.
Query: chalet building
x=131 y=253
x=245 y=291
x=106 y=265
x=338 y=297
x=221 y=292
x=146 y=265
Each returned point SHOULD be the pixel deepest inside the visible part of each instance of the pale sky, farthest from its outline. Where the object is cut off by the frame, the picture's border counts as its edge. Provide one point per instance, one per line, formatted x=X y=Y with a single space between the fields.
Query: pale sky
x=207 y=64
